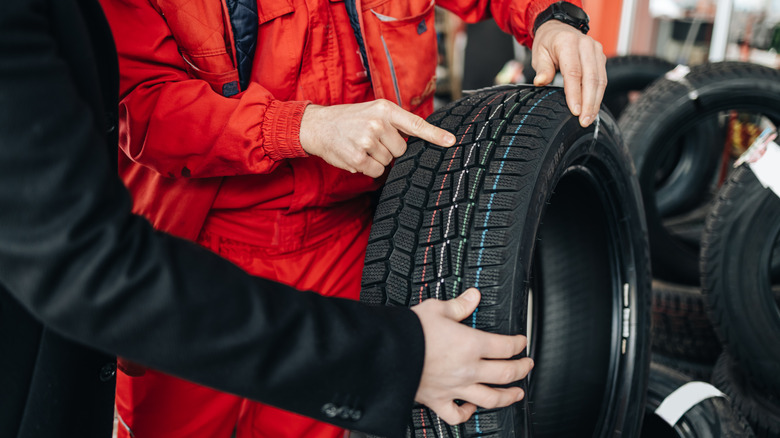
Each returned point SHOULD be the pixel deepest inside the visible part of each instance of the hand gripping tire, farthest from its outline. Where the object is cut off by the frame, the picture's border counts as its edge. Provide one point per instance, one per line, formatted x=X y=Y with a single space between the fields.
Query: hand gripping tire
x=545 y=218
x=738 y=250
x=669 y=109
x=712 y=417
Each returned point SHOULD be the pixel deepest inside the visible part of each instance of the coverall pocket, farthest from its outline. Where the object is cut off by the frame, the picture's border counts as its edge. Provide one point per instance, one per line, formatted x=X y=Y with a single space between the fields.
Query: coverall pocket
x=404 y=50
x=224 y=83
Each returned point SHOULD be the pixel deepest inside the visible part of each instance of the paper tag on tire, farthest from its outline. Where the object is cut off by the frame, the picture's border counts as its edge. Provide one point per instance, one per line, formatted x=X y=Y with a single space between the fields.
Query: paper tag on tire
x=763 y=158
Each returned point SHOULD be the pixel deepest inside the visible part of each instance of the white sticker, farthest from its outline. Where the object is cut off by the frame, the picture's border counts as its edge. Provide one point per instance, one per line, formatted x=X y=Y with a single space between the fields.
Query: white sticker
x=676 y=404
x=763 y=158
x=678 y=73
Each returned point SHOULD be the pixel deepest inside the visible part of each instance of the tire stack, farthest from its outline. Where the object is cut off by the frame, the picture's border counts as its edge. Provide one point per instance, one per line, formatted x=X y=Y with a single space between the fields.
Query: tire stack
x=741 y=274
x=713 y=233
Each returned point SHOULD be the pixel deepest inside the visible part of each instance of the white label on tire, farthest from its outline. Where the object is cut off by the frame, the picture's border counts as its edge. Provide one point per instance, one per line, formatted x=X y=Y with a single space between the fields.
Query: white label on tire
x=678 y=73
x=676 y=404
x=763 y=158
x=767 y=168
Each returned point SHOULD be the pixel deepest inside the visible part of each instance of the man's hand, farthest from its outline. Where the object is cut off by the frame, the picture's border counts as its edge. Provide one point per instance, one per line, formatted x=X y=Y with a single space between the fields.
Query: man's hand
x=581 y=60
x=460 y=361
x=364 y=137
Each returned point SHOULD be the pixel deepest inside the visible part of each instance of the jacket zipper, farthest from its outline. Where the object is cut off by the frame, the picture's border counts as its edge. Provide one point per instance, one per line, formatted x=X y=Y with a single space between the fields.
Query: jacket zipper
x=392 y=72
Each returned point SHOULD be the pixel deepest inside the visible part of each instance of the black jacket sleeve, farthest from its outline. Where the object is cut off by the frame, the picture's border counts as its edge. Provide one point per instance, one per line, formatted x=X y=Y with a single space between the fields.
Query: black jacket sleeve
x=73 y=255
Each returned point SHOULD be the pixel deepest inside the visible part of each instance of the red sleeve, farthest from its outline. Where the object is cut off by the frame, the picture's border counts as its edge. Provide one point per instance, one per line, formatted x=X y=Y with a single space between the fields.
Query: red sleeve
x=170 y=120
x=515 y=17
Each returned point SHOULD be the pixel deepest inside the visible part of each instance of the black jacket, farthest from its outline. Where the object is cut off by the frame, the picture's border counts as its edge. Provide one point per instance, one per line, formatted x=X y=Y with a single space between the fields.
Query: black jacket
x=80 y=274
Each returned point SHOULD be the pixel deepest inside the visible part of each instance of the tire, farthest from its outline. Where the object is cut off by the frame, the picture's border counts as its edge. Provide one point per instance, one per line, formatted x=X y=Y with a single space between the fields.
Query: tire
x=652 y=126
x=681 y=326
x=762 y=410
x=630 y=73
x=687 y=167
x=710 y=418
x=742 y=233
x=537 y=213
x=695 y=370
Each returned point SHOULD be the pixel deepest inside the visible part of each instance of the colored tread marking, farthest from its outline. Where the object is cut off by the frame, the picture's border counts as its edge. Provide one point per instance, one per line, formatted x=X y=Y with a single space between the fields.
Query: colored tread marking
x=460 y=182
x=495 y=185
x=422 y=418
x=487 y=216
x=433 y=217
x=438 y=201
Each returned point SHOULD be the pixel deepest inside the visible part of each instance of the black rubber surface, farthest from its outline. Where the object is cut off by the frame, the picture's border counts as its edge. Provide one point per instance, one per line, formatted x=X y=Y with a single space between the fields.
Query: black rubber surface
x=527 y=204
x=761 y=409
x=739 y=243
x=681 y=326
x=630 y=73
x=695 y=370
x=710 y=418
x=670 y=169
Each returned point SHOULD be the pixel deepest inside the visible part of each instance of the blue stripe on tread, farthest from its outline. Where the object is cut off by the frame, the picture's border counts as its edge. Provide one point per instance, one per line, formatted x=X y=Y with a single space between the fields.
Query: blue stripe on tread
x=487 y=216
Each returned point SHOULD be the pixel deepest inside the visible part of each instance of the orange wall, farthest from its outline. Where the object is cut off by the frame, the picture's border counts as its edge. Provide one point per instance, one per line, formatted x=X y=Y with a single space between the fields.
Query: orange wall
x=604 y=22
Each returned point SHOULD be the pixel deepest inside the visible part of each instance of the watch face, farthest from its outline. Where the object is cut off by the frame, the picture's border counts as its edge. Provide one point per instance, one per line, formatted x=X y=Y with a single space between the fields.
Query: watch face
x=573 y=11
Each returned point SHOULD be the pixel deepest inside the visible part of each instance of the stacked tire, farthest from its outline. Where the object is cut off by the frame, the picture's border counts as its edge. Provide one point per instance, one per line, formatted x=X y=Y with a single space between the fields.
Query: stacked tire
x=740 y=258
x=628 y=76
x=545 y=218
x=678 y=406
x=682 y=336
x=713 y=230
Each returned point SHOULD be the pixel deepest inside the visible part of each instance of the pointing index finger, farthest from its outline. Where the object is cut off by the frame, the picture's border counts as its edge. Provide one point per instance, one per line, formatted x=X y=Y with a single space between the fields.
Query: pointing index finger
x=416 y=126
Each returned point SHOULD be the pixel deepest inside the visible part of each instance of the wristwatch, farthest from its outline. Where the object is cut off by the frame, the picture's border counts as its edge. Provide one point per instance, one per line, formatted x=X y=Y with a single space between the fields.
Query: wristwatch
x=566 y=13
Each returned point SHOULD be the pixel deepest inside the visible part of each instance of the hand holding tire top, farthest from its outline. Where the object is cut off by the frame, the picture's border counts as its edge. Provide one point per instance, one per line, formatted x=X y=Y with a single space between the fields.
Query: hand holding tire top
x=545 y=218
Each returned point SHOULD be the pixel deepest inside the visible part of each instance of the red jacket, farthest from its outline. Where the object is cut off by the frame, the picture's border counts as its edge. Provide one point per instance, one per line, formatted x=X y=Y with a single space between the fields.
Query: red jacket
x=181 y=136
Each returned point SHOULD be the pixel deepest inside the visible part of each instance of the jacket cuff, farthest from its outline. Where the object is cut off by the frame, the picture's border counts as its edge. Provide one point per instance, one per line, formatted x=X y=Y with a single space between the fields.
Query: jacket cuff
x=281 y=130
x=534 y=8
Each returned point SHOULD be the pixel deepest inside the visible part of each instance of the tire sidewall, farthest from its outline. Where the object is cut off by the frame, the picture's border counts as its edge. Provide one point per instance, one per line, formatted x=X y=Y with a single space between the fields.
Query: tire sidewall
x=576 y=148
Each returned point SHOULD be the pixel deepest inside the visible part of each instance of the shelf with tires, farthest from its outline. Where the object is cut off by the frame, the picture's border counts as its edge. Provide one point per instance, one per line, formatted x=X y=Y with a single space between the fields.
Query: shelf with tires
x=713 y=230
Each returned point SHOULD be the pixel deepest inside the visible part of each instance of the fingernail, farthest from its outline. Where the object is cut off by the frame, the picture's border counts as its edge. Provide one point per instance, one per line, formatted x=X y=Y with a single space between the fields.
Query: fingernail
x=577 y=110
x=521 y=395
x=585 y=121
x=449 y=139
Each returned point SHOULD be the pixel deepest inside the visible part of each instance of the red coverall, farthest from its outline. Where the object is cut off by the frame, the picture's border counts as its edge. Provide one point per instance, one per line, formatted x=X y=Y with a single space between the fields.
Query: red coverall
x=230 y=172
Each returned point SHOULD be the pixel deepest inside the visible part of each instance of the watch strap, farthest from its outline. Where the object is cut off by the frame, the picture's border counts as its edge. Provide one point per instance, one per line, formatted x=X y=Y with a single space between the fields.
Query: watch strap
x=557 y=11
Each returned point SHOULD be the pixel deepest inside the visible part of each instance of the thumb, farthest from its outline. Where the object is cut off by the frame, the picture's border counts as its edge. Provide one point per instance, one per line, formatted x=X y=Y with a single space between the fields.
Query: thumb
x=544 y=77
x=545 y=70
x=463 y=306
x=453 y=414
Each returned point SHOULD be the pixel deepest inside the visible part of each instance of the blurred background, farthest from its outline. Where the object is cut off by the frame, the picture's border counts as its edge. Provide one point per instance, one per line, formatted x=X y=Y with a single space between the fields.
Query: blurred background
x=689 y=32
